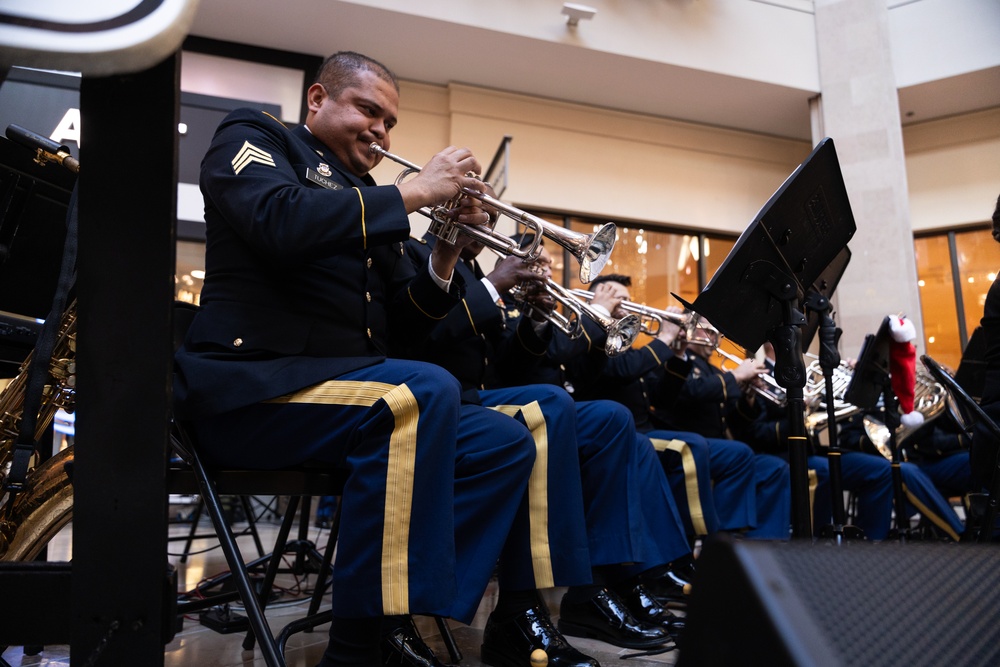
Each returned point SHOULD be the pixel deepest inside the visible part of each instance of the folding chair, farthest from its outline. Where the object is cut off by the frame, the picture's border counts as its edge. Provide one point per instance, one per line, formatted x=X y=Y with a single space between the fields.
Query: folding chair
x=982 y=531
x=297 y=482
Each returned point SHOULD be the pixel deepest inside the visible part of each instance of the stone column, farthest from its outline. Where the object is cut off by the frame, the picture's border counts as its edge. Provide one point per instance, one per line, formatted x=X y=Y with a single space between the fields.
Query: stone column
x=859 y=109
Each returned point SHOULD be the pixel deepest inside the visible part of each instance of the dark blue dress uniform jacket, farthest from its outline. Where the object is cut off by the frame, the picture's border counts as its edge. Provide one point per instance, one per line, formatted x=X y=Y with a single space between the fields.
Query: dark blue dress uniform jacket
x=289 y=303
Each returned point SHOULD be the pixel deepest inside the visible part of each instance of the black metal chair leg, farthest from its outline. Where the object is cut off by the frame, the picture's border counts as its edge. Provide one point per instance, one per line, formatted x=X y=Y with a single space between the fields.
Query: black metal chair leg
x=255 y=612
x=195 y=518
x=274 y=562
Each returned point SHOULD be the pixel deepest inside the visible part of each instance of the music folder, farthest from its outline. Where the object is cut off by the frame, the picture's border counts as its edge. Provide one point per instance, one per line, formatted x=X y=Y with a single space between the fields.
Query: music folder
x=788 y=245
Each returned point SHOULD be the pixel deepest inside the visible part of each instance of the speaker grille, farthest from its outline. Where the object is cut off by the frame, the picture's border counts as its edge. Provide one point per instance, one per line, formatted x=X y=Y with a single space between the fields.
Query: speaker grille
x=899 y=604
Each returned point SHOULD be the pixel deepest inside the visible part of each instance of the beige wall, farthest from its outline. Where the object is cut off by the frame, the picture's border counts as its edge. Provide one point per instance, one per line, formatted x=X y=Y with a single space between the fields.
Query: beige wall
x=608 y=164
x=953 y=169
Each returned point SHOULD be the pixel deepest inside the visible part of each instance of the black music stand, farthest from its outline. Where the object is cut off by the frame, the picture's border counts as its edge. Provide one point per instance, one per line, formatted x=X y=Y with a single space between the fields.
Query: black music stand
x=819 y=317
x=754 y=295
x=871 y=381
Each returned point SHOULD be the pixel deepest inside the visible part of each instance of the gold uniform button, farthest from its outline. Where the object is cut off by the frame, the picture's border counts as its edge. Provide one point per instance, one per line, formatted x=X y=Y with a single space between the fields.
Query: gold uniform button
x=369 y=333
x=237 y=342
x=369 y=262
x=368 y=297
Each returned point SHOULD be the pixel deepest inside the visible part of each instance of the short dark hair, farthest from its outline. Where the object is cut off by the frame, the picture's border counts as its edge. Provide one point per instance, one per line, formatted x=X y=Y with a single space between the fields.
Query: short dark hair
x=611 y=278
x=341 y=71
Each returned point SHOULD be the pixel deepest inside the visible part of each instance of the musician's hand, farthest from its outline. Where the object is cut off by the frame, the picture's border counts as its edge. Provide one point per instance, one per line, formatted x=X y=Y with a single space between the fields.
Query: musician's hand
x=542 y=302
x=668 y=332
x=748 y=370
x=610 y=297
x=512 y=271
x=441 y=179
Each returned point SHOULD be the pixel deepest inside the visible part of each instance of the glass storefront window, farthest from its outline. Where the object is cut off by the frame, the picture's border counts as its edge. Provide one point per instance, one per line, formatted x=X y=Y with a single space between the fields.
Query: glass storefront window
x=189 y=275
x=978 y=264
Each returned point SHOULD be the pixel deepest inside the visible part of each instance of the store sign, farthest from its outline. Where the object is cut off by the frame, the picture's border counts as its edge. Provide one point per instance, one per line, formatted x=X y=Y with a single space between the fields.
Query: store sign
x=93 y=38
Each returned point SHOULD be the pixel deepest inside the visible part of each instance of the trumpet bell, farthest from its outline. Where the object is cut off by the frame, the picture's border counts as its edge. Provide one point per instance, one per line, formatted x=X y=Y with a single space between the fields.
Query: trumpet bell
x=622 y=334
x=596 y=252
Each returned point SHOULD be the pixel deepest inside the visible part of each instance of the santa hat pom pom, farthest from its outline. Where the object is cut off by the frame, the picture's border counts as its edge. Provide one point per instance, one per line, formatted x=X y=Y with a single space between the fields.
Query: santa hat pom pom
x=911 y=419
x=902 y=329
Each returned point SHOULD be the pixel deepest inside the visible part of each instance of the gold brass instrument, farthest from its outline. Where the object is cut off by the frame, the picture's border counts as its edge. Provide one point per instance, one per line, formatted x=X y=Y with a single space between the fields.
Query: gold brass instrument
x=591 y=250
x=770 y=389
x=930 y=399
x=30 y=518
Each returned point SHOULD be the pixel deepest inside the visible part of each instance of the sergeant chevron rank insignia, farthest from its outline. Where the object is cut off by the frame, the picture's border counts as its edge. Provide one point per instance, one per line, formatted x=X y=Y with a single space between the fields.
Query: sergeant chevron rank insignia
x=249 y=154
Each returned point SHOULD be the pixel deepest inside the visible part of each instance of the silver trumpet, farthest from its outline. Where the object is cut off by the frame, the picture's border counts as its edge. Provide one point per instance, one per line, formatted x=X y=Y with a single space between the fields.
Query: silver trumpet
x=651 y=319
x=770 y=389
x=591 y=250
x=620 y=333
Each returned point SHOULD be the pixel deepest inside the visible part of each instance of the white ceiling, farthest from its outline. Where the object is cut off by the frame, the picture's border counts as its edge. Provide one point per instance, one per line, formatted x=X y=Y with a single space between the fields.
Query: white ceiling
x=439 y=52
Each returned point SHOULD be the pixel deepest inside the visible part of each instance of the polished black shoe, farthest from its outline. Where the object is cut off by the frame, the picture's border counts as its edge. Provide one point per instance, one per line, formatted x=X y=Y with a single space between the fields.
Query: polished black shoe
x=403 y=647
x=645 y=607
x=510 y=643
x=669 y=590
x=605 y=617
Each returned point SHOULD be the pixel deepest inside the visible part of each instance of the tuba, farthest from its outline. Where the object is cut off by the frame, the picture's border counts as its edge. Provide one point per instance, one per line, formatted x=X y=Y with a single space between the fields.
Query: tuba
x=32 y=516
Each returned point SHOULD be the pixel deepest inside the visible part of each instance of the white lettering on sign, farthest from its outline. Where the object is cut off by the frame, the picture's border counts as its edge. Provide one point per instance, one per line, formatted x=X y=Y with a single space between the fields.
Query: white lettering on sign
x=68 y=128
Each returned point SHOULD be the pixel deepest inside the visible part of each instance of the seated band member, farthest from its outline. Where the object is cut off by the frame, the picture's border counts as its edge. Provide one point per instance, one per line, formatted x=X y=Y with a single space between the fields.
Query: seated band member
x=763 y=424
x=703 y=474
x=286 y=361
x=474 y=342
x=703 y=405
x=985 y=447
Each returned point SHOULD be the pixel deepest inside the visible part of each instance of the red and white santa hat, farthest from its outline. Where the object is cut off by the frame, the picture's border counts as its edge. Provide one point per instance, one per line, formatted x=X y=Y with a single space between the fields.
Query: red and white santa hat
x=903 y=368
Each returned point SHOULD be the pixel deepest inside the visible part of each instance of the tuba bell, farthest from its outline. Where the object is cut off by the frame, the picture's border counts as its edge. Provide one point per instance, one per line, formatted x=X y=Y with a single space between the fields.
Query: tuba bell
x=29 y=518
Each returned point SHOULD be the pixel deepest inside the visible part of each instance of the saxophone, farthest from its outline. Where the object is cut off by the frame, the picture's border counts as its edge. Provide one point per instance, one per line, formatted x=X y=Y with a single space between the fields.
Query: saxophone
x=30 y=518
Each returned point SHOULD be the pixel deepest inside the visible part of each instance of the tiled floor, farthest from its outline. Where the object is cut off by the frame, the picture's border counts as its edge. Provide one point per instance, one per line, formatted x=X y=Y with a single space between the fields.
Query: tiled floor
x=198 y=646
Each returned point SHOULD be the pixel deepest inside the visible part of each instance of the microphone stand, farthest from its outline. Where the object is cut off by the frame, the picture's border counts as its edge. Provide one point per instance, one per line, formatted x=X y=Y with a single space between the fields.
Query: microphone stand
x=891 y=408
x=829 y=360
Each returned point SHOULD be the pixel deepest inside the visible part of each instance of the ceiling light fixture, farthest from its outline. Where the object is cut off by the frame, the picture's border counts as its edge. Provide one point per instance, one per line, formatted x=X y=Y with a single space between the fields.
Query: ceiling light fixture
x=575 y=12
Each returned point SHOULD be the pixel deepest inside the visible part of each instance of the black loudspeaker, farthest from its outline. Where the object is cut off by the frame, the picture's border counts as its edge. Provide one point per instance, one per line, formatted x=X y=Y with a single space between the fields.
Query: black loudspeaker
x=857 y=603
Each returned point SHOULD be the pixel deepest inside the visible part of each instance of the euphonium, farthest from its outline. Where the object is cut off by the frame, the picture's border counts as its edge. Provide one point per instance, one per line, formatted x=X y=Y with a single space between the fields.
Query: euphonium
x=591 y=250
x=814 y=395
x=30 y=518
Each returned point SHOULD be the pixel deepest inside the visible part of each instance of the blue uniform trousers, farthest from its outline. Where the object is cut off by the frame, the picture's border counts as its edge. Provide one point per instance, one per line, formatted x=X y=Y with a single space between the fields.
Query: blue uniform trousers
x=951 y=474
x=774 y=498
x=922 y=496
x=685 y=458
x=870 y=479
x=629 y=516
x=415 y=480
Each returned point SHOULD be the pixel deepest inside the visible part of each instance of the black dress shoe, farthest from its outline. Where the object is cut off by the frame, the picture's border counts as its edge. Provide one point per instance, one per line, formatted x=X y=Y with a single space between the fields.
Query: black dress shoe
x=645 y=607
x=669 y=590
x=403 y=647
x=510 y=643
x=606 y=617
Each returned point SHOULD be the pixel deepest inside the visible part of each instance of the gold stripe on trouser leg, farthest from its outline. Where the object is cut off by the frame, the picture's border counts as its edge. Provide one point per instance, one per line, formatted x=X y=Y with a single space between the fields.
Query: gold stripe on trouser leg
x=538 y=492
x=813 y=483
x=930 y=515
x=690 y=480
x=399 y=474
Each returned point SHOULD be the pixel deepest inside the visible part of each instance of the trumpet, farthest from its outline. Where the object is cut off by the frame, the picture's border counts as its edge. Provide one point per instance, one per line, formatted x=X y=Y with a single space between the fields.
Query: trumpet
x=620 y=333
x=591 y=250
x=770 y=390
x=651 y=319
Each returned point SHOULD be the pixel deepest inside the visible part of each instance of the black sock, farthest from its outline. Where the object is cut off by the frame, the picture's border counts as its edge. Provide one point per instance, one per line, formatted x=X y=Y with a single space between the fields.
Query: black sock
x=390 y=623
x=578 y=594
x=513 y=603
x=354 y=642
